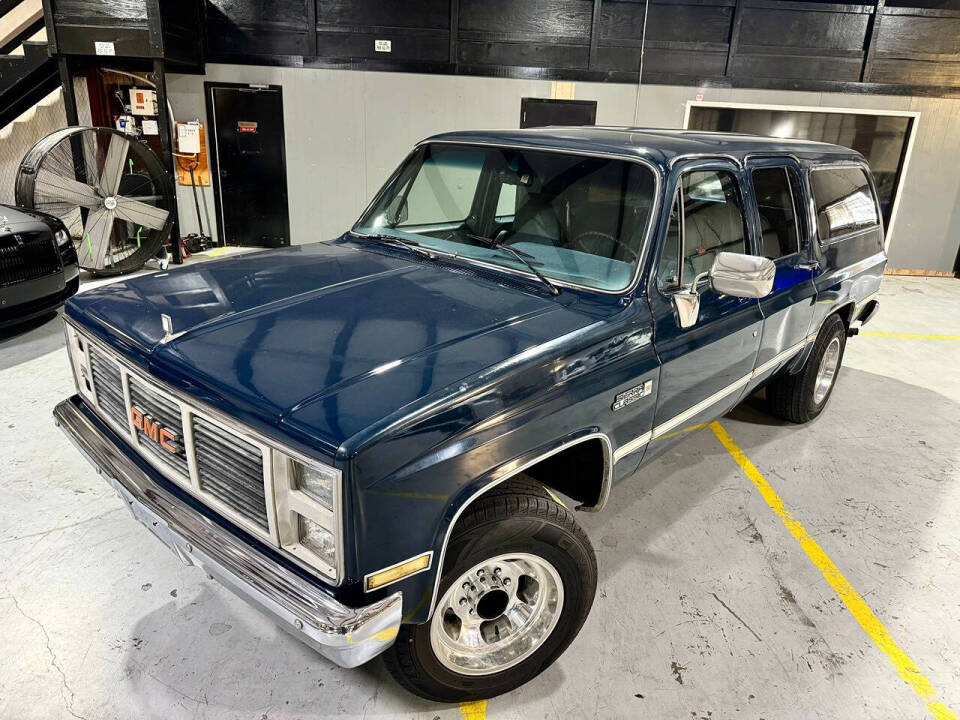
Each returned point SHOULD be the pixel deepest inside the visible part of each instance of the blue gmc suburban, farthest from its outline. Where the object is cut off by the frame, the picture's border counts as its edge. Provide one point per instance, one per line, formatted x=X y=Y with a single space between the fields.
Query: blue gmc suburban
x=366 y=438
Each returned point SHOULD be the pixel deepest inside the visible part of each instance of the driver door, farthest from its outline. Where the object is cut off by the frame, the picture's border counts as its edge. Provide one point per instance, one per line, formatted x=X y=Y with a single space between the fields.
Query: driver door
x=704 y=367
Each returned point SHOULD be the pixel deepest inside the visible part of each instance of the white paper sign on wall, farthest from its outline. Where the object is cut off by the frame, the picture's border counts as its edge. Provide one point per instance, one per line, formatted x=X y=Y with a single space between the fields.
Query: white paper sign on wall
x=383 y=45
x=104 y=48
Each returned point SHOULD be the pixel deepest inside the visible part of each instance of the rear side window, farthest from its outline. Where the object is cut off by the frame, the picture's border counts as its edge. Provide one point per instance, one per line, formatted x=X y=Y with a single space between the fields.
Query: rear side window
x=843 y=200
x=778 y=216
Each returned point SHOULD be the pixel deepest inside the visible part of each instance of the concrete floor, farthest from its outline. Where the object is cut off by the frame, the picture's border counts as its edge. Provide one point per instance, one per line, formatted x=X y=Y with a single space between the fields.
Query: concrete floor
x=707 y=608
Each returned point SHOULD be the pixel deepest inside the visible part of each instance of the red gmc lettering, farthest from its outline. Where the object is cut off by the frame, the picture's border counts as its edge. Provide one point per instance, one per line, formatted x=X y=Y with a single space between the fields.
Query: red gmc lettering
x=151 y=429
x=165 y=437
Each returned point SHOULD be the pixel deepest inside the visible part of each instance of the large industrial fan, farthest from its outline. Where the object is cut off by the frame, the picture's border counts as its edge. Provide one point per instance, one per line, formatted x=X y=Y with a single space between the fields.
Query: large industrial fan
x=110 y=190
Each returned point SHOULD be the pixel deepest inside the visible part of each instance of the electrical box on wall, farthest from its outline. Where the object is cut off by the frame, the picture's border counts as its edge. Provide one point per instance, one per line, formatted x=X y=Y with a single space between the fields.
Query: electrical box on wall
x=143 y=101
x=188 y=137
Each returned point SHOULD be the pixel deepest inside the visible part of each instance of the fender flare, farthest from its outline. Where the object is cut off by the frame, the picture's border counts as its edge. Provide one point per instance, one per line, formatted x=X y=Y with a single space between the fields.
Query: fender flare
x=507 y=470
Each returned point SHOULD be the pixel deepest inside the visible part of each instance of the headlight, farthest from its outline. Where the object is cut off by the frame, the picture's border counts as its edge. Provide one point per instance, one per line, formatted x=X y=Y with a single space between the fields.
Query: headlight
x=307 y=495
x=316 y=481
x=319 y=540
x=63 y=238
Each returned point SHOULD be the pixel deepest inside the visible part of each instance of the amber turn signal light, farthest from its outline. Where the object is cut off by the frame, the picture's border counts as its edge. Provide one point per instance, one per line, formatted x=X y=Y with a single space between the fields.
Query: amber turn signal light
x=392 y=574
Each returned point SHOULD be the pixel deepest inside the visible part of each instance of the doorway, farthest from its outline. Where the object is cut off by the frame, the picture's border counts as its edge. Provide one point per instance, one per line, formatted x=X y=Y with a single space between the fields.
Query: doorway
x=249 y=164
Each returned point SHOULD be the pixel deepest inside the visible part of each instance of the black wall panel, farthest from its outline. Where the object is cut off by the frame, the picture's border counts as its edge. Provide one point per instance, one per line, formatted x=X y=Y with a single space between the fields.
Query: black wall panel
x=97 y=12
x=246 y=28
x=262 y=12
x=938 y=75
x=802 y=28
x=904 y=35
x=417 y=31
x=622 y=20
x=892 y=46
x=404 y=47
x=364 y=13
x=523 y=54
x=796 y=41
x=549 y=19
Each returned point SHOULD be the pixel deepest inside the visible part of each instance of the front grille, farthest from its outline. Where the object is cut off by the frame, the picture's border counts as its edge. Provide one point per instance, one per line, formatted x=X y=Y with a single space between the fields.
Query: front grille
x=231 y=470
x=108 y=386
x=228 y=468
x=164 y=413
x=27 y=255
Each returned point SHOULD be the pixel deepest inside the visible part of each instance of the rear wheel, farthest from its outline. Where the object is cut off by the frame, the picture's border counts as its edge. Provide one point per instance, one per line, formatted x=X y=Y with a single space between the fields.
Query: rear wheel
x=517 y=584
x=801 y=397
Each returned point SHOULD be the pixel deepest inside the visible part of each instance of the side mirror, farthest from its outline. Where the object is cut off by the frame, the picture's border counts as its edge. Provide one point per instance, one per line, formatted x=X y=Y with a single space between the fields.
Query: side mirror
x=746 y=276
x=735 y=274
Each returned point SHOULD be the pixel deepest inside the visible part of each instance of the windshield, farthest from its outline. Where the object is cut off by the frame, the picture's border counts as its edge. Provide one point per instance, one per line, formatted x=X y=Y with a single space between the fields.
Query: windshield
x=575 y=219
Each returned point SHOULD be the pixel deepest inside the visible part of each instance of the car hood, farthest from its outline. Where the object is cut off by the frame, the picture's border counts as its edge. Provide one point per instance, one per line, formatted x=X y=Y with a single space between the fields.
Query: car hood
x=322 y=339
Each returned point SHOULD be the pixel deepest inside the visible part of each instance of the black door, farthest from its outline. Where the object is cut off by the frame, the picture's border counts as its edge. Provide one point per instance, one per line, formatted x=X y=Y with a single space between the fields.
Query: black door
x=250 y=170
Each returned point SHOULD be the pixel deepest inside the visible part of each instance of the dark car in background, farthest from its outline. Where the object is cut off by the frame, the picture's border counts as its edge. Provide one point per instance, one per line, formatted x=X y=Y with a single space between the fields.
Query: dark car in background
x=368 y=438
x=38 y=264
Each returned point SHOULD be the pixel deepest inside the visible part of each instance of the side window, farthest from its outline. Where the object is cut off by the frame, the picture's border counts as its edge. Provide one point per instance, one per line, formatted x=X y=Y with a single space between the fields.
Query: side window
x=444 y=189
x=843 y=200
x=706 y=218
x=778 y=216
x=709 y=220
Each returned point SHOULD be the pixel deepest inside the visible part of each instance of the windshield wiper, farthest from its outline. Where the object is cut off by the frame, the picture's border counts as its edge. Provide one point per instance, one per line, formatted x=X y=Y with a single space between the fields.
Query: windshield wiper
x=519 y=255
x=410 y=244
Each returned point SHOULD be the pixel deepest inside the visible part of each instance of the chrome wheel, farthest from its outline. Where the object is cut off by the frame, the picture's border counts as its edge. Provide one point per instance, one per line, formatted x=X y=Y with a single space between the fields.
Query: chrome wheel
x=827 y=371
x=496 y=614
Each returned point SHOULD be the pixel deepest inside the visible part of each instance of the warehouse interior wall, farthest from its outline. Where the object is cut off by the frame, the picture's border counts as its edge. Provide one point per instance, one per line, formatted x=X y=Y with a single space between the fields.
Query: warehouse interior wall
x=347 y=130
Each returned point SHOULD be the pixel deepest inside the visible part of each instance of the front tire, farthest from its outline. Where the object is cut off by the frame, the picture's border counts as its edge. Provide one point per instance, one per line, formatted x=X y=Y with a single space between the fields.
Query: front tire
x=801 y=397
x=518 y=580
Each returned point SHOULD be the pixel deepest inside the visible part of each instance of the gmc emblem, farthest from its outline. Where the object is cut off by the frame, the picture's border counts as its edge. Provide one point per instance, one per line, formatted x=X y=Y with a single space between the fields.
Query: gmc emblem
x=167 y=439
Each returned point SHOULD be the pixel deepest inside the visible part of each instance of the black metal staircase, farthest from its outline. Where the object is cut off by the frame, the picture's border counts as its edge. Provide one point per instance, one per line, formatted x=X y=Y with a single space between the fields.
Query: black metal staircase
x=25 y=78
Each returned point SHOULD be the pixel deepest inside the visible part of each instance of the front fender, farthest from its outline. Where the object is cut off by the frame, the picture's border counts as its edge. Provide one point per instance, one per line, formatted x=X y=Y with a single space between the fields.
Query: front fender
x=411 y=522
x=405 y=507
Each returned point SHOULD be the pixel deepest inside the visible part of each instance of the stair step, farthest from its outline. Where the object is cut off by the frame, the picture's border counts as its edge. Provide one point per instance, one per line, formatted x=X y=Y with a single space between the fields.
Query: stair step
x=19 y=19
x=39 y=38
x=37 y=50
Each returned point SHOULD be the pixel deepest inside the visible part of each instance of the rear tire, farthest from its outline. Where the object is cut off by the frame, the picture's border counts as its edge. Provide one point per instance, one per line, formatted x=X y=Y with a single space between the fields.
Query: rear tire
x=531 y=575
x=802 y=396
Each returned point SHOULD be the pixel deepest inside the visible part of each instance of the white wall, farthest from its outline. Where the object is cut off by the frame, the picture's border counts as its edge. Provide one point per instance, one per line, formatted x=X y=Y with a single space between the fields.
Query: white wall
x=347 y=130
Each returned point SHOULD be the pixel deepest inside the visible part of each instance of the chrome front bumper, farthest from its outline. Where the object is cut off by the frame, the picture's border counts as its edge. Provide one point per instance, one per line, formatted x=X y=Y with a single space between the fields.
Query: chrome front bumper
x=347 y=636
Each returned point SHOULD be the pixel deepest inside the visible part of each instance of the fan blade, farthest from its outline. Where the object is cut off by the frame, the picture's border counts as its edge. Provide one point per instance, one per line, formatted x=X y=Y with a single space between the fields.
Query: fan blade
x=113 y=165
x=142 y=214
x=95 y=243
x=67 y=190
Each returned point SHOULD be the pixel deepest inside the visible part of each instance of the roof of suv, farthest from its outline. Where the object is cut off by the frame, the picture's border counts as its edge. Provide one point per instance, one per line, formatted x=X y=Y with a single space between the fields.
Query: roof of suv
x=653 y=144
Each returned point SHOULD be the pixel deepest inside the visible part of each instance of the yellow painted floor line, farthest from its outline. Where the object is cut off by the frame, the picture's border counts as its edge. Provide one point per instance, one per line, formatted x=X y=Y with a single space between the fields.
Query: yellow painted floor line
x=218 y=251
x=911 y=336
x=476 y=710
x=857 y=606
